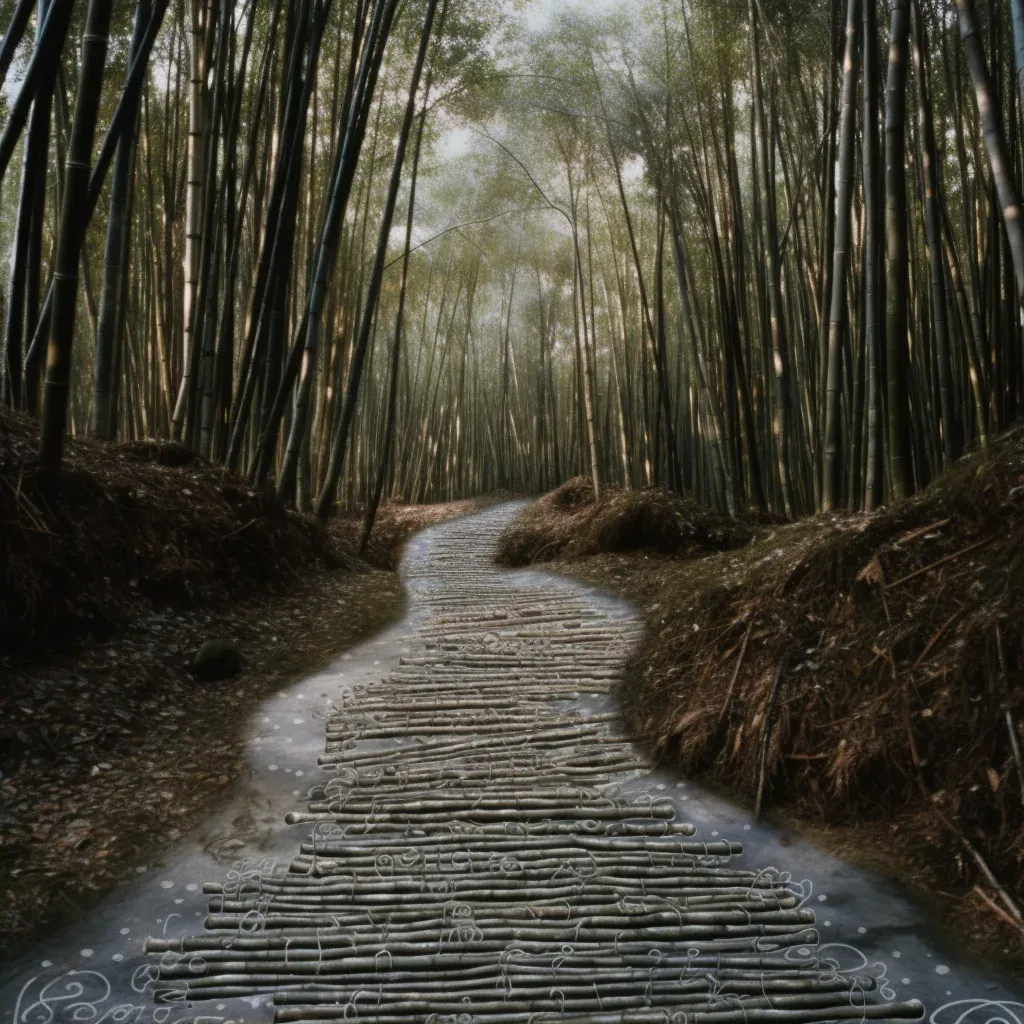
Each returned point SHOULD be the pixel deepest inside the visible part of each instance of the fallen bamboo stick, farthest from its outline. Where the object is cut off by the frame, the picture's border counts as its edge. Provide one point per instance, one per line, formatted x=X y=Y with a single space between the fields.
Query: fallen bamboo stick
x=735 y=676
x=936 y=564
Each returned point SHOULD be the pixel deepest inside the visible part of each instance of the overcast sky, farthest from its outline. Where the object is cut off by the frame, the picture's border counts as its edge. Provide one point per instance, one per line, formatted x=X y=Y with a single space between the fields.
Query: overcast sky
x=537 y=12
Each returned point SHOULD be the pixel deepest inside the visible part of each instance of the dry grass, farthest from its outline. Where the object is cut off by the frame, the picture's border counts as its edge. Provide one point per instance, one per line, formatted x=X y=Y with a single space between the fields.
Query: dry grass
x=129 y=528
x=395 y=524
x=149 y=524
x=898 y=639
x=568 y=523
x=898 y=635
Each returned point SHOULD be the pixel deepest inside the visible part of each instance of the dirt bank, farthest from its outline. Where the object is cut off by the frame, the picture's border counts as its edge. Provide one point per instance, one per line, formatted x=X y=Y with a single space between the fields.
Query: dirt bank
x=863 y=674
x=110 y=747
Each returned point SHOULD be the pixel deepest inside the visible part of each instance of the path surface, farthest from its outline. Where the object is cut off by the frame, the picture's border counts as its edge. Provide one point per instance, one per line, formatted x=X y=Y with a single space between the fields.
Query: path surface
x=473 y=853
x=482 y=843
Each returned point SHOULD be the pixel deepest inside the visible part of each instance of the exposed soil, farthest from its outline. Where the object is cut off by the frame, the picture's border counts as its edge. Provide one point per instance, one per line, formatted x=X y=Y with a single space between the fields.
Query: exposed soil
x=863 y=673
x=110 y=747
x=567 y=523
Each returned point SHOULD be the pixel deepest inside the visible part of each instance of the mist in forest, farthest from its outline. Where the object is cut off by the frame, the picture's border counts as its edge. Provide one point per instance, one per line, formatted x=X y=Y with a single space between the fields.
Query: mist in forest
x=763 y=254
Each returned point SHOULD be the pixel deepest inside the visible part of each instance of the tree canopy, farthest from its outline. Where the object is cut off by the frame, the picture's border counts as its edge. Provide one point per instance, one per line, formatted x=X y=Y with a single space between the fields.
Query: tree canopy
x=766 y=253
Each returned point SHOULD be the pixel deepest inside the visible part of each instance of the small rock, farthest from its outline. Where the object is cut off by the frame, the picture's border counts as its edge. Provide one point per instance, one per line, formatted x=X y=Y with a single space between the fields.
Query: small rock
x=217 y=659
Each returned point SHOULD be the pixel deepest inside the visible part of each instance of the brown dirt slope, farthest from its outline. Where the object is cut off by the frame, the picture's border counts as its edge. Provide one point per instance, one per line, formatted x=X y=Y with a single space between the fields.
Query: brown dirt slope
x=567 y=523
x=109 y=747
x=860 y=670
x=111 y=751
x=133 y=526
x=148 y=524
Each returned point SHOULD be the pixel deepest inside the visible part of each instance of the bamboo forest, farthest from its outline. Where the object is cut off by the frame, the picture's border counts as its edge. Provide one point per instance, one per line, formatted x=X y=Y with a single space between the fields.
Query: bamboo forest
x=511 y=511
x=768 y=257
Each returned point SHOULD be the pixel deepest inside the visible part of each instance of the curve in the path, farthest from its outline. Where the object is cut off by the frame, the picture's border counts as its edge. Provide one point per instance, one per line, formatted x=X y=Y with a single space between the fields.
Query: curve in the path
x=482 y=847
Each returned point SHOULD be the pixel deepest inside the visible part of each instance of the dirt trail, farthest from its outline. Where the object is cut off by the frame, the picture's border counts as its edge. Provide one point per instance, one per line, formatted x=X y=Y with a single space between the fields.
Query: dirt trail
x=487 y=845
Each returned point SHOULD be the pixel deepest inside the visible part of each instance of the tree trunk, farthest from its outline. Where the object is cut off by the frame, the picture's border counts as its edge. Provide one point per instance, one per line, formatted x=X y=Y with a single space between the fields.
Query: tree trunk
x=197 y=128
x=73 y=222
x=780 y=420
x=873 y=475
x=340 y=444
x=348 y=151
x=102 y=424
x=995 y=143
x=838 y=318
x=929 y=160
x=23 y=291
x=41 y=74
x=896 y=282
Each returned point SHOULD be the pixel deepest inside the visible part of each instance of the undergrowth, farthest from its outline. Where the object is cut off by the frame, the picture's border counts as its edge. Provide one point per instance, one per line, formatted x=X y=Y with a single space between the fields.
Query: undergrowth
x=150 y=524
x=568 y=523
x=854 y=668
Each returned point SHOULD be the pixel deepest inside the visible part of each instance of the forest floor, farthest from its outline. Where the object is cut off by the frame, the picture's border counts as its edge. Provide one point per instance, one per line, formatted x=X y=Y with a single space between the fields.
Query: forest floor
x=110 y=747
x=859 y=676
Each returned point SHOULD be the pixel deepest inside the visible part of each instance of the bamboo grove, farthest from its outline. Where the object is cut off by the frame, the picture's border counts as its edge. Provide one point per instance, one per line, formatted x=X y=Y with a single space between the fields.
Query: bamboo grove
x=767 y=253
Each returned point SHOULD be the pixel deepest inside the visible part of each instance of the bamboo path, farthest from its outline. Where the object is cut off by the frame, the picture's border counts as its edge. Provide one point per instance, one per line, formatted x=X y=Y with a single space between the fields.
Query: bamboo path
x=471 y=854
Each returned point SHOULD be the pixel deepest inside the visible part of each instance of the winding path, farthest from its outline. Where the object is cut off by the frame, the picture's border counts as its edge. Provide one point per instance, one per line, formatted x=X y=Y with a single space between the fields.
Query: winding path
x=487 y=845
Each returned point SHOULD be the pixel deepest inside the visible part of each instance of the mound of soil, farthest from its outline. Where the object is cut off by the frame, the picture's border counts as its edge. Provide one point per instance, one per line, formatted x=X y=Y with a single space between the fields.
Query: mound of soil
x=860 y=671
x=111 y=746
x=881 y=656
x=113 y=750
x=569 y=523
x=130 y=527
x=143 y=525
